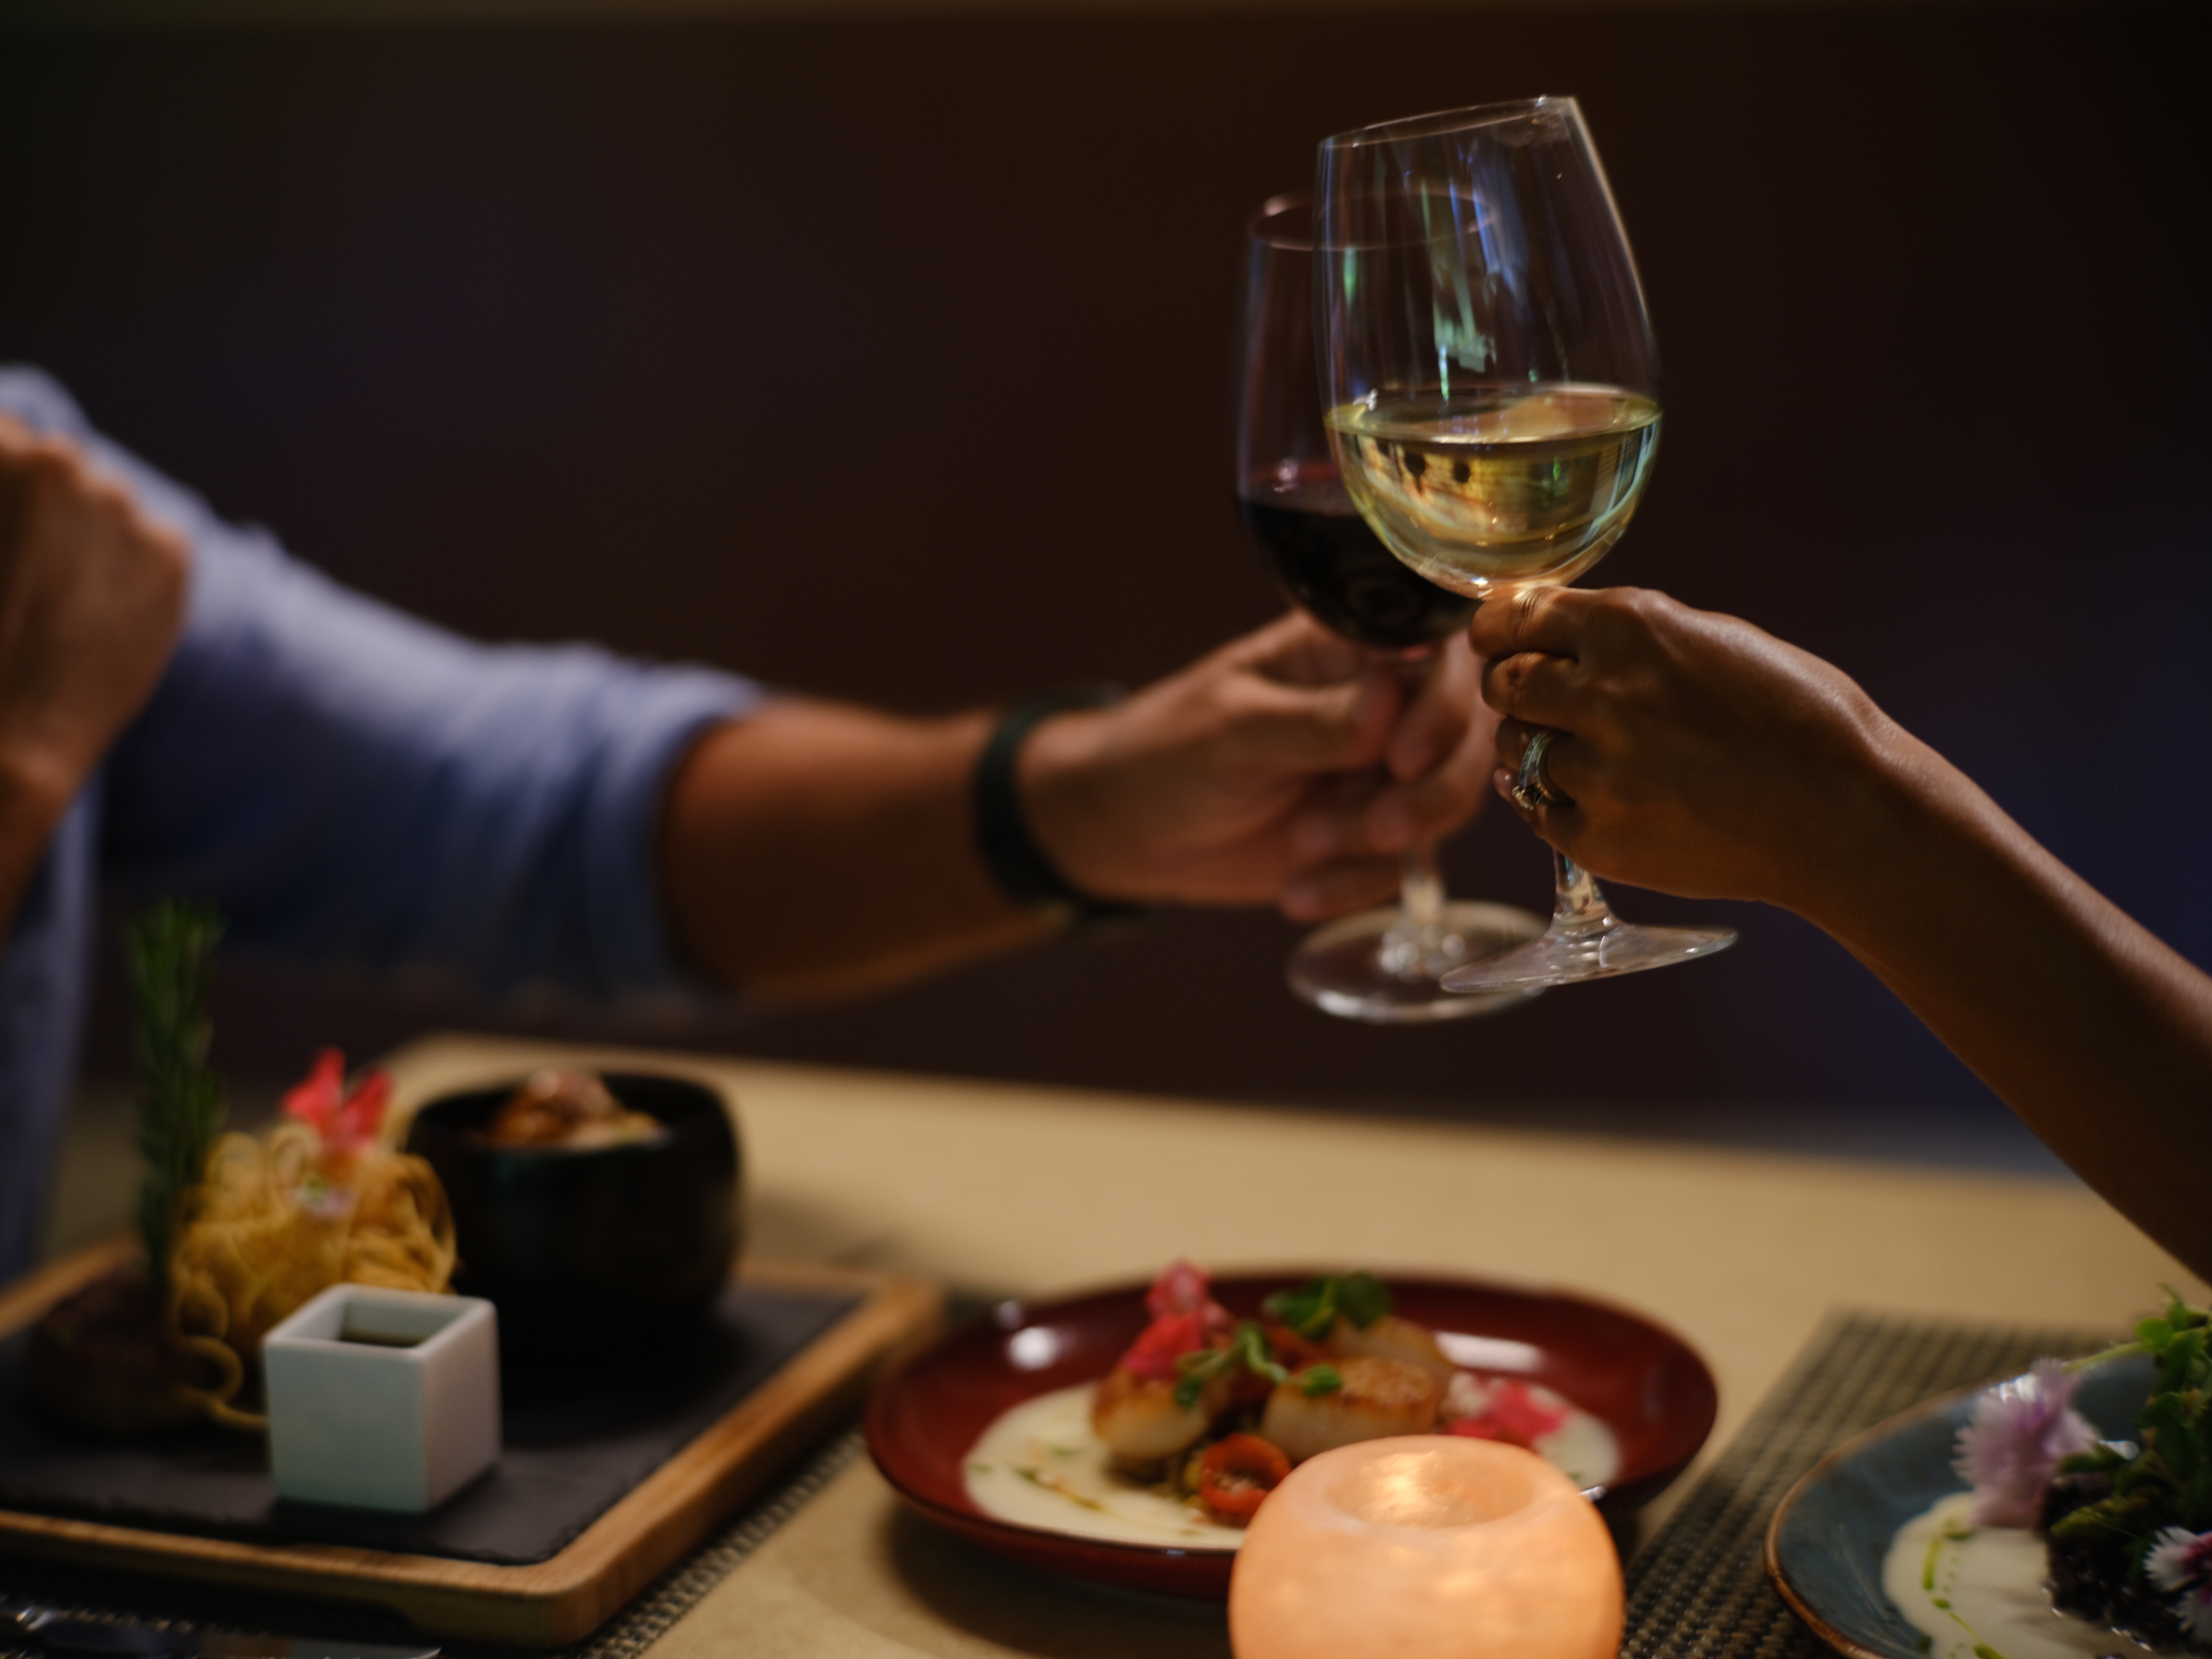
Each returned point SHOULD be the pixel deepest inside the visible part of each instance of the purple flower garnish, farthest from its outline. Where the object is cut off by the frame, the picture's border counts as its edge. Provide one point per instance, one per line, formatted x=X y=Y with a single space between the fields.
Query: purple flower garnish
x=2020 y=1429
x=2181 y=1563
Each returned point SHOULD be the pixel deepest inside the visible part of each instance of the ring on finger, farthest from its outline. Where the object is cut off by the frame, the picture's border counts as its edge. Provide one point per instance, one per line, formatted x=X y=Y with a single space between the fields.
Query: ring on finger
x=1531 y=788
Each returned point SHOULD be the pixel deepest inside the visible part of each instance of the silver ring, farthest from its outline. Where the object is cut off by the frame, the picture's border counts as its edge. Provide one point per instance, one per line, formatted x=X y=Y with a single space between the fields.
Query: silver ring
x=1532 y=789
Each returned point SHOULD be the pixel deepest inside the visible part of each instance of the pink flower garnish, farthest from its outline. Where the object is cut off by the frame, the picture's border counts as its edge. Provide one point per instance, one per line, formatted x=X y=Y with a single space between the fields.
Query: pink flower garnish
x=1513 y=1415
x=346 y=1122
x=2020 y=1429
x=2181 y=1564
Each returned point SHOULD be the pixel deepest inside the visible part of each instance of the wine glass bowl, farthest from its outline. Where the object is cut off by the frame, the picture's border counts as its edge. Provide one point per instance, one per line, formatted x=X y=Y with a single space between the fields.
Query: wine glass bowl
x=1289 y=491
x=1487 y=491
x=1492 y=385
x=1333 y=567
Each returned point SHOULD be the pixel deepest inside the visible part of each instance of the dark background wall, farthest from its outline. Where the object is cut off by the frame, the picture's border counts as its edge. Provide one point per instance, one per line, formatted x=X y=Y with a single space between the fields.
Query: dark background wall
x=889 y=359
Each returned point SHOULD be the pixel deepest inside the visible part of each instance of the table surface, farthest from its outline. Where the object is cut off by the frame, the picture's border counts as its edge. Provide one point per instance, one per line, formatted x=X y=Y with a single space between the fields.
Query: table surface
x=1009 y=1189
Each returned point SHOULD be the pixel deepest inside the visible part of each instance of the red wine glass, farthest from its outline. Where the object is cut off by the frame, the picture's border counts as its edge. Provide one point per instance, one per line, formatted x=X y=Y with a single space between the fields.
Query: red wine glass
x=1380 y=965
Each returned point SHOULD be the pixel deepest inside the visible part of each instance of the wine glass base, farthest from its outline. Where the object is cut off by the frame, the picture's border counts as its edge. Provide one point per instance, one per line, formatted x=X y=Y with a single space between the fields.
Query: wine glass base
x=1372 y=967
x=1567 y=957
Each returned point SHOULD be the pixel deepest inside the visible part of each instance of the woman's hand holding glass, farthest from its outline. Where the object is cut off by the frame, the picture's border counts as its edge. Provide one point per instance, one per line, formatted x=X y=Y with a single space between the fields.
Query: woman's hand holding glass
x=1703 y=756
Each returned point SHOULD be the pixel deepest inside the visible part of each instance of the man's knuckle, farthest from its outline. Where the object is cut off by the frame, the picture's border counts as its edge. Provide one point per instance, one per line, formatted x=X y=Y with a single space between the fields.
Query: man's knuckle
x=171 y=562
x=108 y=497
x=1234 y=702
x=46 y=475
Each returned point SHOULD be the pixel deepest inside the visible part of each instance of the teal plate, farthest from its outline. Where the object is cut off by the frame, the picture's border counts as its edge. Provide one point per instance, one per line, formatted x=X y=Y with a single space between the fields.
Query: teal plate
x=1825 y=1544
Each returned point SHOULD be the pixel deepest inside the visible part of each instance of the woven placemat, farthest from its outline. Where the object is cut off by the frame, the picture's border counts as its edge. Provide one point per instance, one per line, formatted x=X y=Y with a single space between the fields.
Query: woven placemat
x=1699 y=1589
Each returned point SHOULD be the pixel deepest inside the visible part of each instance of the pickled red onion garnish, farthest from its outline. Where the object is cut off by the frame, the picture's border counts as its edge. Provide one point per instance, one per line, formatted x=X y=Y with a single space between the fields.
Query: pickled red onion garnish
x=1185 y=1319
x=1510 y=1413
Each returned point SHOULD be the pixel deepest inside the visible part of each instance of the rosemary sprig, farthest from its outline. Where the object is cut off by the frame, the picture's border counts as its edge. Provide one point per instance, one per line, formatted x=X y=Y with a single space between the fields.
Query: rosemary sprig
x=180 y=1099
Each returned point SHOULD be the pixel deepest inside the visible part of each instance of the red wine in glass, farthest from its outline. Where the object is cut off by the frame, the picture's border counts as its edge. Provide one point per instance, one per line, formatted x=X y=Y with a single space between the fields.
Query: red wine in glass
x=1328 y=562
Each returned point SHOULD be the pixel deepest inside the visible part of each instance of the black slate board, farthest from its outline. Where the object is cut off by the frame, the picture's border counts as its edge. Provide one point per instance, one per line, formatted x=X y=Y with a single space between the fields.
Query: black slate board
x=578 y=1436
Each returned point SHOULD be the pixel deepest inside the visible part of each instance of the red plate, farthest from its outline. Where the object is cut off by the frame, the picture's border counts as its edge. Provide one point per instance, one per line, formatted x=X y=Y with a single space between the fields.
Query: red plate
x=1643 y=1382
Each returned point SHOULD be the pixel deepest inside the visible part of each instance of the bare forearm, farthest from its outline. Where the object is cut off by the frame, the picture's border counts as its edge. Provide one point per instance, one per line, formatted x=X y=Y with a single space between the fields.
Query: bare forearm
x=1705 y=757
x=817 y=851
x=2098 y=1035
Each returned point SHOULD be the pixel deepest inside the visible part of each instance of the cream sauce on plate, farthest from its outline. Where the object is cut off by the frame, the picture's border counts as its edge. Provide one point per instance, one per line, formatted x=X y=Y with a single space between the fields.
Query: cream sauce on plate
x=1042 y=1465
x=1977 y=1592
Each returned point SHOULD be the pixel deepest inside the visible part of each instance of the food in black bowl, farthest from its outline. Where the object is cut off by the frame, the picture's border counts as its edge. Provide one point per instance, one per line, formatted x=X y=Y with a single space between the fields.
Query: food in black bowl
x=589 y=1207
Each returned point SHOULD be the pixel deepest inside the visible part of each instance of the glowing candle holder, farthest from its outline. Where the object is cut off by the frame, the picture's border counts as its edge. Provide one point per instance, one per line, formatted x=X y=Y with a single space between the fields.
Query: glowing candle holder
x=1426 y=1546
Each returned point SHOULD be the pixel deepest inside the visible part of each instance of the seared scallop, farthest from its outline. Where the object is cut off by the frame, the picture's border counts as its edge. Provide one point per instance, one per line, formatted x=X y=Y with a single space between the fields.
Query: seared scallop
x=1378 y=1397
x=1140 y=1421
x=1393 y=1337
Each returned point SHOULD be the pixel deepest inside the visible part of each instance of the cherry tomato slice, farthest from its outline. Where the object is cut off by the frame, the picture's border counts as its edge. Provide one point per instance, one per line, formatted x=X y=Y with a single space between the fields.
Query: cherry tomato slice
x=1237 y=1473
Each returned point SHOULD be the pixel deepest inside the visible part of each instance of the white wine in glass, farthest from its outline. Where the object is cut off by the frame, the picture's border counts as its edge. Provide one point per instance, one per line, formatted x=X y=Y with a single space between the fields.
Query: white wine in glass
x=1501 y=489
x=1493 y=390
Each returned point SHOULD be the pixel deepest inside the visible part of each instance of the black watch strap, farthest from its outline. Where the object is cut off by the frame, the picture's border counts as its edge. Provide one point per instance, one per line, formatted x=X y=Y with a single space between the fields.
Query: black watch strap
x=1003 y=841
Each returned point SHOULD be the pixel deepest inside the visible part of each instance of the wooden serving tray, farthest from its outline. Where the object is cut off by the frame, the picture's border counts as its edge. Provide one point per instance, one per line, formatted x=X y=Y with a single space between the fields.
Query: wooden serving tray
x=555 y=1601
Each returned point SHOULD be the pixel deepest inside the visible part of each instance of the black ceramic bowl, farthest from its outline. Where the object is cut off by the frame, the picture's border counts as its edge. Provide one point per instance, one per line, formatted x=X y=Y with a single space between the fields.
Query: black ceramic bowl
x=630 y=1241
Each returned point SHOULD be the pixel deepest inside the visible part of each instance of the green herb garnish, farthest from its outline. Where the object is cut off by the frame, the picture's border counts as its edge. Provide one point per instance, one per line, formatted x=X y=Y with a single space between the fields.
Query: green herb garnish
x=2168 y=1482
x=180 y=1099
x=1249 y=1349
x=1317 y=1380
x=1312 y=1308
x=2112 y=1504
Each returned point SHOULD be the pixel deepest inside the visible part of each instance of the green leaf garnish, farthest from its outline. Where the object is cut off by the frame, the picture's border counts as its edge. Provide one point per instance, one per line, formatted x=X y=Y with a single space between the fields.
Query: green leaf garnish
x=1248 y=1349
x=2168 y=1482
x=1317 y=1380
x=1312 y=1308
x=1361 y=1298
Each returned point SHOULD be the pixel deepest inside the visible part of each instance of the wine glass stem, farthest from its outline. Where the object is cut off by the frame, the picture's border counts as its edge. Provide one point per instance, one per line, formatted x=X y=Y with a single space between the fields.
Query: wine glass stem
x=1420 y=892
x=1577 y=906
x=1420 y=945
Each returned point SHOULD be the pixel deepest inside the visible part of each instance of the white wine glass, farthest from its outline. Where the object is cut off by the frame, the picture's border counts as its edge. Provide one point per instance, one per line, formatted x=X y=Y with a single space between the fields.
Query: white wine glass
x=1491 y=385
x=1385 y=966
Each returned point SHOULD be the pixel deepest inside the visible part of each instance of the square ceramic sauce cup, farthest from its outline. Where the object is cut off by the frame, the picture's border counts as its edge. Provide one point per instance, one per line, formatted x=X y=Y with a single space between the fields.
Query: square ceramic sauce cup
x=382 y=1400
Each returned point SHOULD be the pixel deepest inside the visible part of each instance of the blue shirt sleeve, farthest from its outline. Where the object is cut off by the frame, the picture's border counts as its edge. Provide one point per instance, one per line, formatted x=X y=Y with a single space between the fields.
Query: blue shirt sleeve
x=348 y=783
